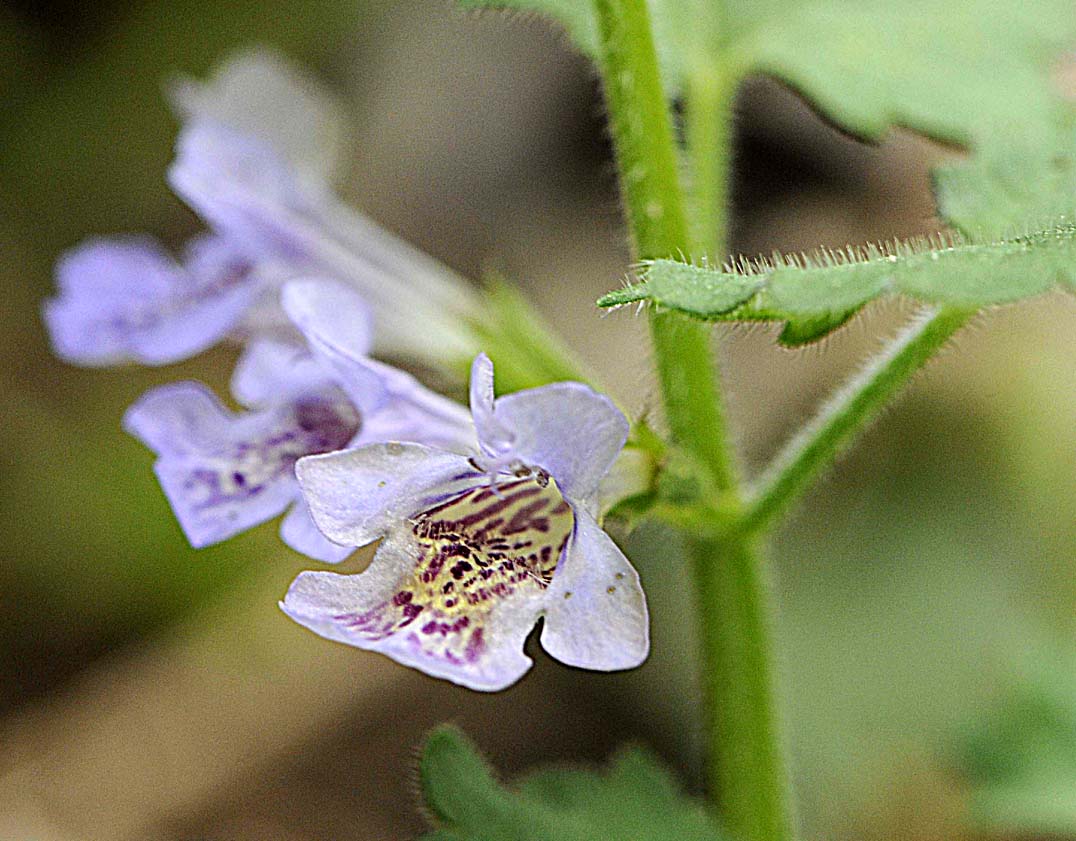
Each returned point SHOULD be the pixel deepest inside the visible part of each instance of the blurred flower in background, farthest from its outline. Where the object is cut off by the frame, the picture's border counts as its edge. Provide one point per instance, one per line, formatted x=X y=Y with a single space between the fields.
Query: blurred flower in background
x=148 y=690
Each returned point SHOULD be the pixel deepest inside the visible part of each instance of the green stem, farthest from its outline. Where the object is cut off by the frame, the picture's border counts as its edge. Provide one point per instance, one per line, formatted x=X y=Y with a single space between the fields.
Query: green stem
x=708 y=104
x=642 y=129
x=649 y=177
x=746 y=772
x=693 y=405
x=746 y=766
x=847 y=413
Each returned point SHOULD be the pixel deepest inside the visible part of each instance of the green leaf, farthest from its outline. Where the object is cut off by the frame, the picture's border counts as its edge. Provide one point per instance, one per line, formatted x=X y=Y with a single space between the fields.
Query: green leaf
x=1024 y=179
x=815 y=295
x=634 y=798
x=966 y=71
x=1021 y=761
x=958 y=70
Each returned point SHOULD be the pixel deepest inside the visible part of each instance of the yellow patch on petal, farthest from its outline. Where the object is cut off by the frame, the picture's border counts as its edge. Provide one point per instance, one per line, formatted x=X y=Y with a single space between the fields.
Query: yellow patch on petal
x=473 y=551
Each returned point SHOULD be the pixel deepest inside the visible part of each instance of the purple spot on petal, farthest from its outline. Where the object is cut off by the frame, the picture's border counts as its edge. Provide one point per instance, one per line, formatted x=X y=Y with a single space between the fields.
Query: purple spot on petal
x=475 y=551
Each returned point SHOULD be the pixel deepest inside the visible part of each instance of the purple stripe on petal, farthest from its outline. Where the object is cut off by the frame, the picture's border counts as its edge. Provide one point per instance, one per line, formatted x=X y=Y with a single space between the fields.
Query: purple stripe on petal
x=455 y=589
x=224 y=473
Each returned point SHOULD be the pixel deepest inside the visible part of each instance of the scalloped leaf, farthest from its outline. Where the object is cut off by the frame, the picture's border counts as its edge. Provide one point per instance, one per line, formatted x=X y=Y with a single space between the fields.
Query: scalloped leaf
x=965 y=71
x=815 y=295
x=1017 y=180
x=634 y=798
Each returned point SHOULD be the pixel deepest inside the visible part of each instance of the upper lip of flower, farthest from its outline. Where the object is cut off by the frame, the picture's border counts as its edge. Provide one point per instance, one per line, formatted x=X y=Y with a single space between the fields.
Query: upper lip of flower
x=243 y=187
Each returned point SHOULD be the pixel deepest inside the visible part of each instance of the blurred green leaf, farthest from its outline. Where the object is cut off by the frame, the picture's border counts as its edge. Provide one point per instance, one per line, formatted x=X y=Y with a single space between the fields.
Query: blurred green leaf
x=97 y=130
x=635 y=798
x=817 y=294
x=1026 y=179
x=1022 y=761
x=21 y=58
x=966 y=71
x=88 y=517
x=526 y=350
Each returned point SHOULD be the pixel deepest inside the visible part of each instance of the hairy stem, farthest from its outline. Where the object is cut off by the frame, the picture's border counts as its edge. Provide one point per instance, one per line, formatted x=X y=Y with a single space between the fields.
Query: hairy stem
x=747 y=777
x=650 y=185
x=746 y=766
x=847 y=413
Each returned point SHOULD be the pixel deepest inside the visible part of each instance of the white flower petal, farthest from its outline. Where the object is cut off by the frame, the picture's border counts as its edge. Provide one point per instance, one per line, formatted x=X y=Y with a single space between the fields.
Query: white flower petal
x=493 y=438
x=124 y=299
x=357 y=495
x=271 y=371
x=330 y=315
x=595 y=615
x=223 y=473
x=241 y=186
x=299 y=531
x=398 y=607
x=259 y=92
x=211 y=508
x=568 y=429
x=180 y=418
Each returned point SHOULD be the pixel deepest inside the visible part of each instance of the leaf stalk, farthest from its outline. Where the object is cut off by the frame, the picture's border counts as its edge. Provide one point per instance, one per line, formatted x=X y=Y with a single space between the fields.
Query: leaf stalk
x=819 y=442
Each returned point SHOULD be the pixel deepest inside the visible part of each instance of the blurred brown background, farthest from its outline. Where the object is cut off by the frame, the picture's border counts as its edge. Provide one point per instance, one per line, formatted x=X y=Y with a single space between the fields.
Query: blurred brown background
x=150 y=691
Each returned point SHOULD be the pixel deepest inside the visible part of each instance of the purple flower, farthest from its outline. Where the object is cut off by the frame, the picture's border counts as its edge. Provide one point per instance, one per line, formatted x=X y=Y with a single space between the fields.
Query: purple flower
x=248 y=190
x=254 y=158
x=476 y=548
x=126 y=299
x=259 y=93
x=225 y=472
x=393 y=404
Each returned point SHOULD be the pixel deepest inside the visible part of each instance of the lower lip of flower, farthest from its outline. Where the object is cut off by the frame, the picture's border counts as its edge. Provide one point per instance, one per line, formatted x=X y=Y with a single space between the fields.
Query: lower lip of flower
x=473 y=551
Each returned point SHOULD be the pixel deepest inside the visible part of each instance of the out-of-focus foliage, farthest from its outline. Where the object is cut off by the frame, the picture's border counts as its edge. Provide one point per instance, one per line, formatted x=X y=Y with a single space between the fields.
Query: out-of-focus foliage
x=1021 y=761
x=965 y=71
x=634 y=798
x=526 y=351
x=1013 y=185
x=905 y=595
x=20 y=57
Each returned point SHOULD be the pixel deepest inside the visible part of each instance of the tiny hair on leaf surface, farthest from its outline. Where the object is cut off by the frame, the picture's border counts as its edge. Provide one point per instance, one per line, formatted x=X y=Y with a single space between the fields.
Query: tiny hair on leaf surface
x=816 y=294
x=634 y=797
